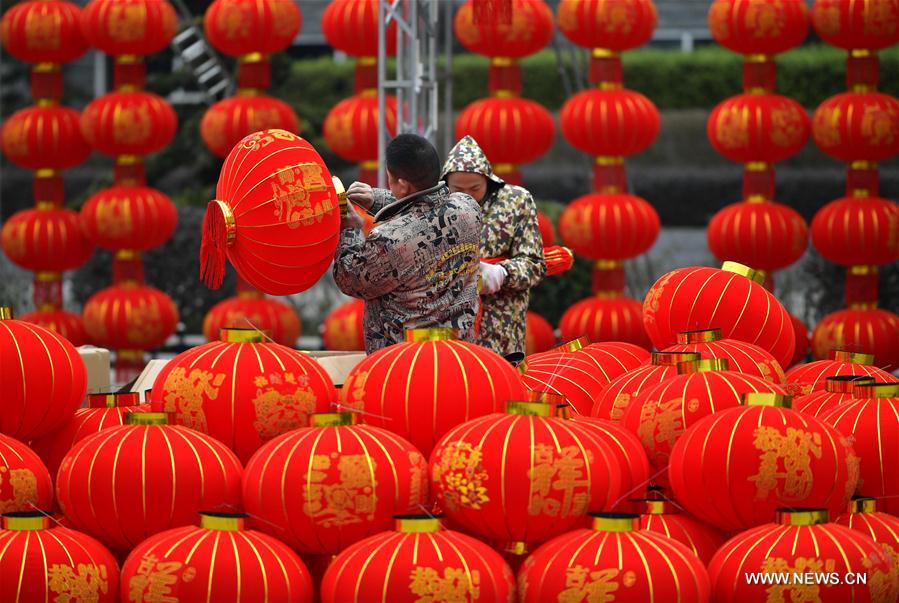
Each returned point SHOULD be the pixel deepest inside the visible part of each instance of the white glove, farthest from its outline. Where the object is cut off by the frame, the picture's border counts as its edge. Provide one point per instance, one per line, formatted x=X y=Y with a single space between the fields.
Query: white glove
x=492 y=278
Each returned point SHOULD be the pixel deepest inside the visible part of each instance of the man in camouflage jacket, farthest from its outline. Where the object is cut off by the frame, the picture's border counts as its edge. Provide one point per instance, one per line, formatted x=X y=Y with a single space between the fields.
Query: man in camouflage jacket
x=510 y=229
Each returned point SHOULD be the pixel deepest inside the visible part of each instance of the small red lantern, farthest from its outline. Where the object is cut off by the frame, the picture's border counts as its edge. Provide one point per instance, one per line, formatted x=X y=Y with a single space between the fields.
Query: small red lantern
x=614 y=558
x=351 y=26
x=528 y=31
x=803 y=343
x=220 y=560
x=880 y=527
x=251 y=309
x=616 y=318
x=126 y=483
x=123 y=27
x=65 y=324
x=609 y=123
x=43 y=561
x=871 y=329
x=128 y=123
x=759 y=26
x=806 y=378
x=858 y=126
x=342 y=329
x=44 y=137
x=837 y=390
x=276 y=220
x=351 y=127
x=574 y=376
x=662 y=517
x=130 y=317
x=25 y=483
x=547 y=231
x=45 y=239
x=609 y=226
x=857 y=231
x=870 y=25
x=539 y=335
x=43 y=32
x=758 y=127
x=418 y=562
x=767 y=236
x=44 y=379
x=617 y=26
x=741 y=357
x=225 y=123
x=761 y=456
x=241 y=27
x=129 y=217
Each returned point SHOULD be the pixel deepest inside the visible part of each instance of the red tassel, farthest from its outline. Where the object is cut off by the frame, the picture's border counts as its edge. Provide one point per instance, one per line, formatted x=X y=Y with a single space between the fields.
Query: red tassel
x=212 y=247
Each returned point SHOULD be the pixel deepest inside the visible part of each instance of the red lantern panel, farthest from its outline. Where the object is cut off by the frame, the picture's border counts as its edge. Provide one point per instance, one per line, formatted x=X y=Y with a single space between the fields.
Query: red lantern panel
x=857 y=231
x=858 y=126
x=351 y=26
x=758 y=127
x=759 y=26
x=609 y=226
x=605 y=319
x=664 y=518
x=609 y=122
x=875 y=330
x=128 y=123
x=43 y=32
x=806 y=378
x=837 y=390
x=64 y=324
x=45 y=240
x=44 y=137
x=240 y=27
x=130 y=317
x=509 y=129
x=25 y=484
x=870 y=25
x=225 y=123
x=616 y=26
x=539 y=335
x=253 y=311
x=139 y=27
x=342 y=329
x=129 y=217
x=529 y=30
x=880 y=527
x=741 y=357
x=573 y=376
x=547 y=231
x=351 y=127
x=767 y=236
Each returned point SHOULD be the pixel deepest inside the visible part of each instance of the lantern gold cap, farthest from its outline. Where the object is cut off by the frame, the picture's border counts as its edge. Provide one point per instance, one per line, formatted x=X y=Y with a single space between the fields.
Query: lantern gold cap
x=705 y=365
x=743 y=270
x=801 y=517
x=767 y=399
x=242 y=335
x=573 y=346
x=26 y=521
x=552 y=398
x=862 y=504
x=615 y=522
x=876 y=389
x=563 y=411
x=700 y=336
x=334 y=419
x=417 y=524
x=844 y=384
x=435 y=334
x=113 y=400
x=649 y=506
x=673 y=358
x=5 y=313
x=147 y=418
x=529 y=409
x=230 y=223
x=341 y=194
x=223 y=522
x=853 y=357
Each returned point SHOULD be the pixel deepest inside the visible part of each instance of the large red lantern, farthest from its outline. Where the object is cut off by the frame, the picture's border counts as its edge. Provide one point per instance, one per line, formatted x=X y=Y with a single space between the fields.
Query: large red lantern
x=225 y=123
x=243 y=391
x=602 y=318
x=610 y=122
x=510 y=130
x=741 y=356
x=767 y=235
x=43 y=32
x=43 y=376
x=731 y=299
x=44 y=137
x=25 y=483
x=351 y=126
x=66 y=324
x=43 y=561
x=342 y=329
x=126 y=483
x=220 y=560
x=539 y=335
x=419 y=561
x=424 y=387
x=484 y=483
x=802 y=542
x=837 y=390
x=761 y=456
x=575 y=377
x=241 y=27
x=615 y=558
x=857 y=231
x=322 y=488
x=529 y=29
x=806 y=378
x=759 y=26
x=351 y=26
x=858 y=126
x=276 y=215
x=758 y=127
x=867 y=26
x=872 y=329
x=872 y=419
x=663 y=517
x=251 y=309
x=882 y=528
x=128 y=123
x=129 y=217
x=45 y=239
x=609 y=226
x=130 y=317
x=617 y=26
x=129 y=27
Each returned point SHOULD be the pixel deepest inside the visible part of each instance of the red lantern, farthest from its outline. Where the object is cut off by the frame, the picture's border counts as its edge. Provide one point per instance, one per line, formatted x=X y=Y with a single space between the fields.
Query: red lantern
x=325 y=487
x=128 y=123
x=342 y=329
x=574 y=376
x=351 y=127
x=614 y=558
x=880 y=527
x=65 y=324
x=122 y=27
x=608 y=354
x=528 y=31
x=800 y=332
x=218 y=561
x=225 y=123
x=45 y=239
x=510 y=130
x=539 y=335
x=241 y=27
x=522 y=477
x=25 y=483
x=614 y=399
x=44 y=137
x=277 y=220
x=609 y=226
x=767 y=236
x=806 y=378
x=857 y=231
x=871 y=329
x=253 y=310
x=605 y=319
x=758 y=127
x=43 y=32
x=663 y=518
x=611 y=122
x=731 y=299
x=869 y=26
x=618 y=26
x=837 y=390
x=872 y=419
x=423 y=388
x=243 y=391
x=43 y=561
x=759 y=26
x=418 y=562
x=760 y=457
x=801 y=542
x=44 y=379
x=126 y=483
x=130 y=317
x=129 y=217
x=741 y=356
x=351 y=26
x=547 y=232
x=858 y=126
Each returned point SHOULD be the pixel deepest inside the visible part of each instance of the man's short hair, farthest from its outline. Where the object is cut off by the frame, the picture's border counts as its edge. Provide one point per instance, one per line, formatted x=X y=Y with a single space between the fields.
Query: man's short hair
x=414 y=159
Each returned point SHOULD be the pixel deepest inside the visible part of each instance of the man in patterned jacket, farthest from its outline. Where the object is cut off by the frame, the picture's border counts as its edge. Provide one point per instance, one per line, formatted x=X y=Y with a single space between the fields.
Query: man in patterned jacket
x=418 y=267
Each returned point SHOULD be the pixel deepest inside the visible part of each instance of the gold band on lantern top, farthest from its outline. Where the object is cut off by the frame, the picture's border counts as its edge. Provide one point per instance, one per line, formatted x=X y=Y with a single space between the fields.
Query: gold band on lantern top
x=334 y=419
x=876 y=390
x=222 y=522
x=28 y=521
x=737 y=268
x=417 y=524
x=433 y=334
x=231 y=335
x=801 y=517
x=230 y=224
x=616 y=522
x=146 y=418
x=654 y=507
x=530 y=409
x=767 y=399
x=551 y=398
x=704 y=365
x=573 y=345
x=862 y=504
x=5 y=313
x=844 y=384
x=341 y=195
x=673 y=358
x=700 y=336
x=853 y=357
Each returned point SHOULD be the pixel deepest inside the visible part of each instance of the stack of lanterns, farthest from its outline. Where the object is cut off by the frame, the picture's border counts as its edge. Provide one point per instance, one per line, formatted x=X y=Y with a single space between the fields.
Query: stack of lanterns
x=129 y=217
x=860 y=127
x=46 y=138
x=609 y=122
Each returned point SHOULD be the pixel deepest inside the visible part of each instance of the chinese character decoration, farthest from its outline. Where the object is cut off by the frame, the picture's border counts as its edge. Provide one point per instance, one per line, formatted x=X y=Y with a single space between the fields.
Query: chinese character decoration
x=614 y=560
x=46 y=139
x=883 y=528
x=324 y=487
x=219 y=560
x=608 y=122
x=69 y=565
x=760 y=456
x=859 y=230
x=342 y=328
x=800 y=556
x=24 y=480
x=251 y=309
x=243 y=390
x=418 y=561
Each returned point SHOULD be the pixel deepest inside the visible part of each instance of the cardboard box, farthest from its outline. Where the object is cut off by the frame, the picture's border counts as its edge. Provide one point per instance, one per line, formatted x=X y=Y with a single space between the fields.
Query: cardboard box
x=337 y=364
x=96 y=361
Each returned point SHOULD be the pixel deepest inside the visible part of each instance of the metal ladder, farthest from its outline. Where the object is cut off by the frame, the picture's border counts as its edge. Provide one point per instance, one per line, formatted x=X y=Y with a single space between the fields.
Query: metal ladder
x=191 y=47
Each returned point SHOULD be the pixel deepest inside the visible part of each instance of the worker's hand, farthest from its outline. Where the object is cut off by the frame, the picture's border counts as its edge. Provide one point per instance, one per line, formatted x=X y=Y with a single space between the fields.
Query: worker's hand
x=492 y=278
x=361 y=194
x=351 y=219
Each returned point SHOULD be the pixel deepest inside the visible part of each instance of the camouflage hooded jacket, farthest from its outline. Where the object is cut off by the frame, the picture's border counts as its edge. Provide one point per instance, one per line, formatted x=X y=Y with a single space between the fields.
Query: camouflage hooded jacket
x=418 y=267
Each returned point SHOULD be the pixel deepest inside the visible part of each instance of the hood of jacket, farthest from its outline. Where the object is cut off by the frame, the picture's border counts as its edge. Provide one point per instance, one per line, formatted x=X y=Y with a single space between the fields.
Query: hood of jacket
x=467 y=156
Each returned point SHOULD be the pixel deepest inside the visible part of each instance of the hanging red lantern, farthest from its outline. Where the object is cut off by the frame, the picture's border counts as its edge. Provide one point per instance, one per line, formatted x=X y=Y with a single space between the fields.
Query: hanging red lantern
x=351 y=127
x=484 y=483
x=351 y=26
x=741 y=451
x=228 y=121
x=547 y=231
x=419 y=561
x=758 y=127
x=606 y=319
x=25 y=483
x=277 y=221
x=123 y=27
x=806 y=378
x=342 y=329
x=44 y=136
x=732 y=299
x=129 y=217
x=759 y=26
x=242 y=390
x=130 y=317
x=65 y=324
x=741 y=357
x=325 y=487
x=44 y=379
x=662 y=517
x=837 y=390
x=801 y=542
x=867 y=26
x=128 y=123
x=45 y=239
x=767 y=236
x=220 y=560
x=573 y=376
x=527 y=32
x=609 y=226
x=251 y=309
x=241 y=27
x=609 y=123
x=424 y=387
x=857 y=126
x=509 y=129
x=803 y=343
x=43 y=561
x=872 y=419
x=614 y=26
x=857 y=231
x=539 y=335
x=615 y=558
x=871 y=329
x=126 y=483
x=882 y=528
x=43 y=32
